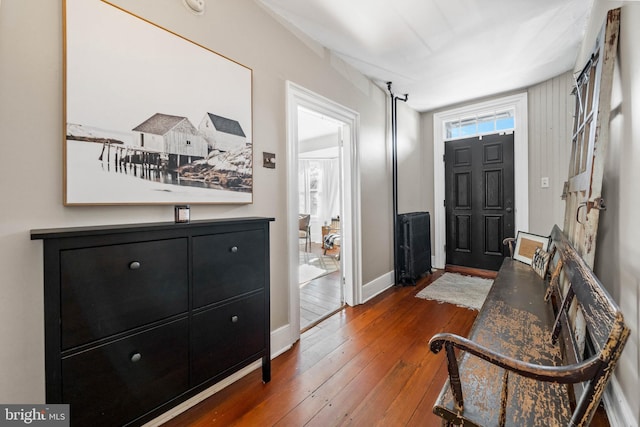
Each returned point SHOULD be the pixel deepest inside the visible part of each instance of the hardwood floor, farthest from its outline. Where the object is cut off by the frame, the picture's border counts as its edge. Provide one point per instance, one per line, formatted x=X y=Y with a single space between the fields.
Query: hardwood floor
x=368 y=365
x=320 y=297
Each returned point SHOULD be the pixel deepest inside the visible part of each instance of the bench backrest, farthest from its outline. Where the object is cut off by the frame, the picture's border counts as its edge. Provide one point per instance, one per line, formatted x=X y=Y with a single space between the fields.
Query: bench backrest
x=589 y=323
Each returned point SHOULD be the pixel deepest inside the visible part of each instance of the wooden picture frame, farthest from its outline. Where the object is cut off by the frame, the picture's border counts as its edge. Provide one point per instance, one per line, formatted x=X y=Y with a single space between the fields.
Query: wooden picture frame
x=150 y=116
x=526 y=245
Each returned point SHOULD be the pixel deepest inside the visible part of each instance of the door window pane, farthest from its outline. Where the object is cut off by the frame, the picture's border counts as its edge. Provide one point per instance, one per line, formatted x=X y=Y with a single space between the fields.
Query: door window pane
x=484 y=124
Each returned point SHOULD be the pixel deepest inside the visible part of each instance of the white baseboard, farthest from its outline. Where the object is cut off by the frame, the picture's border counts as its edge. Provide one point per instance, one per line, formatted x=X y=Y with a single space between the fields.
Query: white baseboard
x=280 y=342
x=617 y=407
x=377 y=286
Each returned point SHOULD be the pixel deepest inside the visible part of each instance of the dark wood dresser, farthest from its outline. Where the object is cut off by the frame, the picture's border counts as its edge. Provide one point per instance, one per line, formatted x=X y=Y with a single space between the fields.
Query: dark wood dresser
x=140 y=317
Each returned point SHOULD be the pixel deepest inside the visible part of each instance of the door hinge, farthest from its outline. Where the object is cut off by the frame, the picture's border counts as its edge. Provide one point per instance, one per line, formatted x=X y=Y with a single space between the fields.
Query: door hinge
x=444 y=156
x=444 y=203
x=597 y=204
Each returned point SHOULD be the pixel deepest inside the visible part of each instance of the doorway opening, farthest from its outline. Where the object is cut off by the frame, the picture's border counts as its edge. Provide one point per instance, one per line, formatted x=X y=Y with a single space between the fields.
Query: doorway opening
x=516 y=103
x=341 y=218
x=320 y=208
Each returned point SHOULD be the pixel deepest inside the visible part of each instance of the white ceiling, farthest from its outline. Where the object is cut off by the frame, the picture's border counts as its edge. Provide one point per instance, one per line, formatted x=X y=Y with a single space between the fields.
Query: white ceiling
x=313 y=125
x=442 y=52
x=317 y=136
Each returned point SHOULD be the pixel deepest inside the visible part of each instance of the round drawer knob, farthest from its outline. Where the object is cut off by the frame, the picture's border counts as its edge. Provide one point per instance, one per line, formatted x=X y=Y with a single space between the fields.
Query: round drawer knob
x=135 y=357
x=234 y=319
x=134 y=265
x=234 y=249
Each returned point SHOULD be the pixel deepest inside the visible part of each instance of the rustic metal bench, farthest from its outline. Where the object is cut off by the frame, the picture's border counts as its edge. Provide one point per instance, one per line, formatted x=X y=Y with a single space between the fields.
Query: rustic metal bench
x=540 y=352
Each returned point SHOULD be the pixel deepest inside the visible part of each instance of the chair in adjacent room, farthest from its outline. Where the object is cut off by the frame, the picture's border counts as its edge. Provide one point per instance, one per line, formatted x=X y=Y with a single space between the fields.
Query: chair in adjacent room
x=332 y=237
x=304 y=230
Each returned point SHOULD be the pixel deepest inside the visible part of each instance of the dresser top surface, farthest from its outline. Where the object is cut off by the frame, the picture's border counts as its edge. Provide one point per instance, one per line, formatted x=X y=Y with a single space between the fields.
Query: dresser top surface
x=68 y=232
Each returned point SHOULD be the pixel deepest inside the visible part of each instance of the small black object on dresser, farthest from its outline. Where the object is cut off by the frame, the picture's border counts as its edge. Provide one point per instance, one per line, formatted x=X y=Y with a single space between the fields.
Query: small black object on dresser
x=140 y=317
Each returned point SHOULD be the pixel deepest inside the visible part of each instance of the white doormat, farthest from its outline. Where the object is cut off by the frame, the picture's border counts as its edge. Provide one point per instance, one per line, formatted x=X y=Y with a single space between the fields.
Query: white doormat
x=454 y=288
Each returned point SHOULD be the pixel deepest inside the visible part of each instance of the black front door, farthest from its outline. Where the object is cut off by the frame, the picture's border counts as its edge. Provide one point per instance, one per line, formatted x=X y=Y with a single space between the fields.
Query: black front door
x=479 y=200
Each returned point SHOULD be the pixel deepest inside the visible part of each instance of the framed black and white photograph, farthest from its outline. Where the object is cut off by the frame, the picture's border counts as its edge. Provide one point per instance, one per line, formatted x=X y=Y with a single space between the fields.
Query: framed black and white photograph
x=150 y=116
x=526 y=245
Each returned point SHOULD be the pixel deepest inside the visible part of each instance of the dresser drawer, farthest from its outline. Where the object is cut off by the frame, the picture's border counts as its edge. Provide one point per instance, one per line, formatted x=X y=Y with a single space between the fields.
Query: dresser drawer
x=226 y=336
x=115 y=383
x=109 y=289
x=227 y=264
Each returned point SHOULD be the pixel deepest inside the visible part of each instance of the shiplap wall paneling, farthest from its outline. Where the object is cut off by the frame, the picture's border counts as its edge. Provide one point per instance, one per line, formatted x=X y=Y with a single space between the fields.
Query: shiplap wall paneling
x=550 y=119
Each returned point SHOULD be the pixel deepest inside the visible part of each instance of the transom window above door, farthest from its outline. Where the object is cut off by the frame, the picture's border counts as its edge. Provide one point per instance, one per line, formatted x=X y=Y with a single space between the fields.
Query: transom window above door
x=481 y=124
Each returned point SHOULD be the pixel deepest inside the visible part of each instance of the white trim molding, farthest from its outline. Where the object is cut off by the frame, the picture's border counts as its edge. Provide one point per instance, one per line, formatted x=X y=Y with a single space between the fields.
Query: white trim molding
x=377 y=286
x=520 y=165
x=351 y=247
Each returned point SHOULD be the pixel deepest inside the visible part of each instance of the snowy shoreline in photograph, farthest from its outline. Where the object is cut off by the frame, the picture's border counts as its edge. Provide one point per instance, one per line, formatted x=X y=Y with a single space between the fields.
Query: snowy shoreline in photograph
x=89 y=181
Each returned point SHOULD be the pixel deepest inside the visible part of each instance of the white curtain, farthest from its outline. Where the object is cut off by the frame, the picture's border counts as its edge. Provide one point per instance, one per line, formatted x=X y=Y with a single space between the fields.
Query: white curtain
x=330 y=196
x=323 y=200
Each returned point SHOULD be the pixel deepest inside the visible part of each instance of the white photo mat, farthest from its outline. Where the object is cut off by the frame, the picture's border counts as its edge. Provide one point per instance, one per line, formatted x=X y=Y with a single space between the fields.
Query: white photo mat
x=526 y=245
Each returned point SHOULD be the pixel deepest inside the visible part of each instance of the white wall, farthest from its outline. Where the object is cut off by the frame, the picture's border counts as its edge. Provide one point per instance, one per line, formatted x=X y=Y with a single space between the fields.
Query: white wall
x=617 y=262
x=31 y=131
x=412 y=166
x=550 y=109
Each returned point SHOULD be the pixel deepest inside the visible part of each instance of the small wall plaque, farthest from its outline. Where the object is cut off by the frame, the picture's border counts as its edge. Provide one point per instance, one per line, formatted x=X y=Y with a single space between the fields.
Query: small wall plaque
x=182 y=213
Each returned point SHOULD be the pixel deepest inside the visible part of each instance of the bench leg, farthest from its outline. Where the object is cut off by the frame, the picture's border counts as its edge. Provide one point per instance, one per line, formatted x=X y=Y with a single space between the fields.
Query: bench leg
x=454 y=377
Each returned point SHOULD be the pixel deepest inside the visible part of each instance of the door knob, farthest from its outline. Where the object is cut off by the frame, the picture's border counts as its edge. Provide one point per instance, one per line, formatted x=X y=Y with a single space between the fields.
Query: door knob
x=509 y=210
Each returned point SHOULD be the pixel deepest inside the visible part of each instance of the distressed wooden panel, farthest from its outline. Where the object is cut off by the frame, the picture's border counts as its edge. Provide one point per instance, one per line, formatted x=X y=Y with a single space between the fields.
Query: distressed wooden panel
x=590 y=140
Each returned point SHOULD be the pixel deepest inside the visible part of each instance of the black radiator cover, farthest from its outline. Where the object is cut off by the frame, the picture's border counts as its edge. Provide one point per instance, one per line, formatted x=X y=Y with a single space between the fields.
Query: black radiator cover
x=414 y=246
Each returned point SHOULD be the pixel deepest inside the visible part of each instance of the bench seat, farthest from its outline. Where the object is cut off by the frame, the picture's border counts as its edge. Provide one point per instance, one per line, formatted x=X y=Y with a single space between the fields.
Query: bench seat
x=514 y=321
x=531 y=360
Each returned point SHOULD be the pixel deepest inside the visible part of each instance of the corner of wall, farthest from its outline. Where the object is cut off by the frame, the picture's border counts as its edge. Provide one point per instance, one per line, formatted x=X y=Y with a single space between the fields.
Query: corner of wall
x=616 y=405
